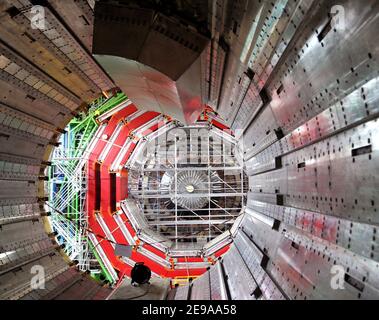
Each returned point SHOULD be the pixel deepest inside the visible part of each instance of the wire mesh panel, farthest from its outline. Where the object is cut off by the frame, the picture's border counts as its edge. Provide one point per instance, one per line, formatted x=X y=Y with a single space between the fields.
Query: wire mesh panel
x=241 y=283
x=218 y=286
x=201 y=288
x=182 y=293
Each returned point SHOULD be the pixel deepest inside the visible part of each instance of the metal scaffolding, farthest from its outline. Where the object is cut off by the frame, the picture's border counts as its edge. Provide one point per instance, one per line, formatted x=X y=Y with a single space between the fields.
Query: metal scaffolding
x=186 y=200
x=68 y=184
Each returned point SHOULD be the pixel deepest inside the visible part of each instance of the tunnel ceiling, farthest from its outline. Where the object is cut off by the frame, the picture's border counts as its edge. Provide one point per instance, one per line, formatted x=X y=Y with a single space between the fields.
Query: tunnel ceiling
x=295 y=81
x=169 y=80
